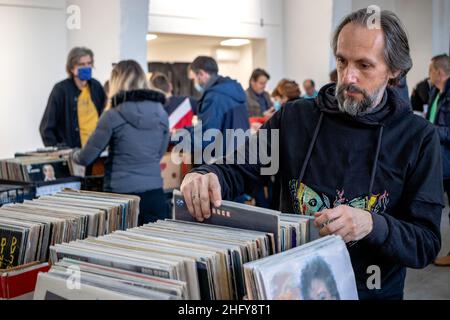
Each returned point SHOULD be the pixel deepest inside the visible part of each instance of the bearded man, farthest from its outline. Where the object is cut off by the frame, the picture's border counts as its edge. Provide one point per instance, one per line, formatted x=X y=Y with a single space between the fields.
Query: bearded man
x=356 y=158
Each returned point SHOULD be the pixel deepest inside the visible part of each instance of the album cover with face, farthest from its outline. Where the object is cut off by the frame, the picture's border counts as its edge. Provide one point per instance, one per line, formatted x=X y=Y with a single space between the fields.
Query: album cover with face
x=48 y=172
x=321 y=270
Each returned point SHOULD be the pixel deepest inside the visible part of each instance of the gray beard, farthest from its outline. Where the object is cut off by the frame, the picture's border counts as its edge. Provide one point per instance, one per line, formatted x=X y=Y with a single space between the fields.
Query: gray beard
x=355 y=108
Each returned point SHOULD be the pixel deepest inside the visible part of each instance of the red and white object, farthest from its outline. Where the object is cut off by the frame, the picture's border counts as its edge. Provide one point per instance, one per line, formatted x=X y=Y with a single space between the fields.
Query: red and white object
x=20 y=282
x=182 y=116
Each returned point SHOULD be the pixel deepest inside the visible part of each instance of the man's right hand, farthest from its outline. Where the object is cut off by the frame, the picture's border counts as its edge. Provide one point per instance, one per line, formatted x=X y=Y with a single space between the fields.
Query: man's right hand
x=199 y=192
x=270 y=113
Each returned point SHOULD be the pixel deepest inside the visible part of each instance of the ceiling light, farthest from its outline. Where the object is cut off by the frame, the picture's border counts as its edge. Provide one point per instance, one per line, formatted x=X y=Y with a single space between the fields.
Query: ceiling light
x=235 y=42
x=151 y=37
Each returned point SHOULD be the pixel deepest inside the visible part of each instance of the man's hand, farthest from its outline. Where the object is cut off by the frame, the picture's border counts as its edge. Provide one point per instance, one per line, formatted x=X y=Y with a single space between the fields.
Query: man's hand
x=199 y=192
x=269 y=113
x=349 y=223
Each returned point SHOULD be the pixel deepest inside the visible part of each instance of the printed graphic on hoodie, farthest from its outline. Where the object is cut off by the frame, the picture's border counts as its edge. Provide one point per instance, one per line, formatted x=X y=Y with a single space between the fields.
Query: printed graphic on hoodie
x=308 y=202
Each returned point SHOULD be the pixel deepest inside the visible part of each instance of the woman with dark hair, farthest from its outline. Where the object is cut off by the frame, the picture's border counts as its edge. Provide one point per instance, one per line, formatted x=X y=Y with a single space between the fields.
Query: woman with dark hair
x=136 y=129
x=317 y=281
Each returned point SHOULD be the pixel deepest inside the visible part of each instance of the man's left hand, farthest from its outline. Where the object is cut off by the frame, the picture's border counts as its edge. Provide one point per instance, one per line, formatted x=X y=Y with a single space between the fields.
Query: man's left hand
x=349 y=223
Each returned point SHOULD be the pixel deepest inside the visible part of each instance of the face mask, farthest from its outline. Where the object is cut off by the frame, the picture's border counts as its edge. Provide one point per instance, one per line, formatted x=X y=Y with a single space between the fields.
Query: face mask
x=85 y=74
x=277 y=105
x=199 y=88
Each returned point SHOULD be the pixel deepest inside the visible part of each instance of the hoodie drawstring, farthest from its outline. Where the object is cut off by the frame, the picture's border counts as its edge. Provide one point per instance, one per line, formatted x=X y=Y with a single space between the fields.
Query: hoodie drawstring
x=311 y=148
x=313 y=143
x=375 y=163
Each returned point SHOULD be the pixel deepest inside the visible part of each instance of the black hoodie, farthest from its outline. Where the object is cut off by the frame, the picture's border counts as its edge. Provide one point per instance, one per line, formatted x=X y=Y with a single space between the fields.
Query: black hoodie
x=387 y=162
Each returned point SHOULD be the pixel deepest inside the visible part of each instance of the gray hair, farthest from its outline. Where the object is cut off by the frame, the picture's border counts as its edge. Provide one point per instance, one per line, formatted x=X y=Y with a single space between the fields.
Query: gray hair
x=442 y=62
x=396 y=52
x=74 y=57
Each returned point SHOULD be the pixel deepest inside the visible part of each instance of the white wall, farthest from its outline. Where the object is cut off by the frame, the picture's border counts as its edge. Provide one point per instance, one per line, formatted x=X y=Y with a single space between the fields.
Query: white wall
x=32 y=60
x=341 y=8
x=114 y=30
x=417 y=15
x=240 y=70
x=134 y=26
x=441 y=26
x=259 y=53
x=176 y=52
x=231 y=18
x=246 y=65
x=308 y=26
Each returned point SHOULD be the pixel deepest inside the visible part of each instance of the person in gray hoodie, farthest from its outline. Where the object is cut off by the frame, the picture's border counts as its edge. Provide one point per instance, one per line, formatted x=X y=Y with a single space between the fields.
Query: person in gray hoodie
x=135 y=127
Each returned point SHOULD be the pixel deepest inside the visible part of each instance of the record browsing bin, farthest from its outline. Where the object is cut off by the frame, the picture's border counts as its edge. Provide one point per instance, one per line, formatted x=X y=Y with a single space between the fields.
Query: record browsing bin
x=14 y=193
x=11 y=194
x=29 y=229
x=32 y=190
x=19 y=283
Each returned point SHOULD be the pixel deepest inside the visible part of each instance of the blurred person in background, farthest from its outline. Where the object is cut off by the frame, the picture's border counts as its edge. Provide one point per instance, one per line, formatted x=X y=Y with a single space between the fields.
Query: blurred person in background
x=333 y=76
x=223 y=104
x=421 y=96
x=74 y=105
x=259 y=103
x=286 y=91
x=181 y=109
x=135 y=127
x=439 y=115
x=310 y=89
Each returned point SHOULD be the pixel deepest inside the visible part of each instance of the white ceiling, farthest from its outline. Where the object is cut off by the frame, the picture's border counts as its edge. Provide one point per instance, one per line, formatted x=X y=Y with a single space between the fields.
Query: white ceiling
x=193 y=41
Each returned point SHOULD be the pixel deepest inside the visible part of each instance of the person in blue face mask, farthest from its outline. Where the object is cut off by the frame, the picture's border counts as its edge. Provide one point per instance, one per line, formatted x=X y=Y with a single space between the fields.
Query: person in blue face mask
x=285 y=91
x=222 y=106
x=277 y=105
x=75 y=104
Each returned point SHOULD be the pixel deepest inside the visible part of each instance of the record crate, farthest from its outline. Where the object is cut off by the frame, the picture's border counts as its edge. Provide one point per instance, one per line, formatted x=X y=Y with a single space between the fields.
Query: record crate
x=13 y=193
x=19 y=283
x=34 y=190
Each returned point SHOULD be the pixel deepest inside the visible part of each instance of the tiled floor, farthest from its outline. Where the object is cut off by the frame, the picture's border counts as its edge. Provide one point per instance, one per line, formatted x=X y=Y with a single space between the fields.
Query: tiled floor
x=431 y=283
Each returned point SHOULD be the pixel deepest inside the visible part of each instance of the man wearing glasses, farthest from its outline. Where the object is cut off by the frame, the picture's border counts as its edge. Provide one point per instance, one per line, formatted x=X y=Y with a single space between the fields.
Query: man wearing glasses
x=74 y=105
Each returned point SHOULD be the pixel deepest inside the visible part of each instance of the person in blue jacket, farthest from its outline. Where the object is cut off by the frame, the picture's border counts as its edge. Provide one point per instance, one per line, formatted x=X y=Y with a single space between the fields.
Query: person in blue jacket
x=223 y=103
